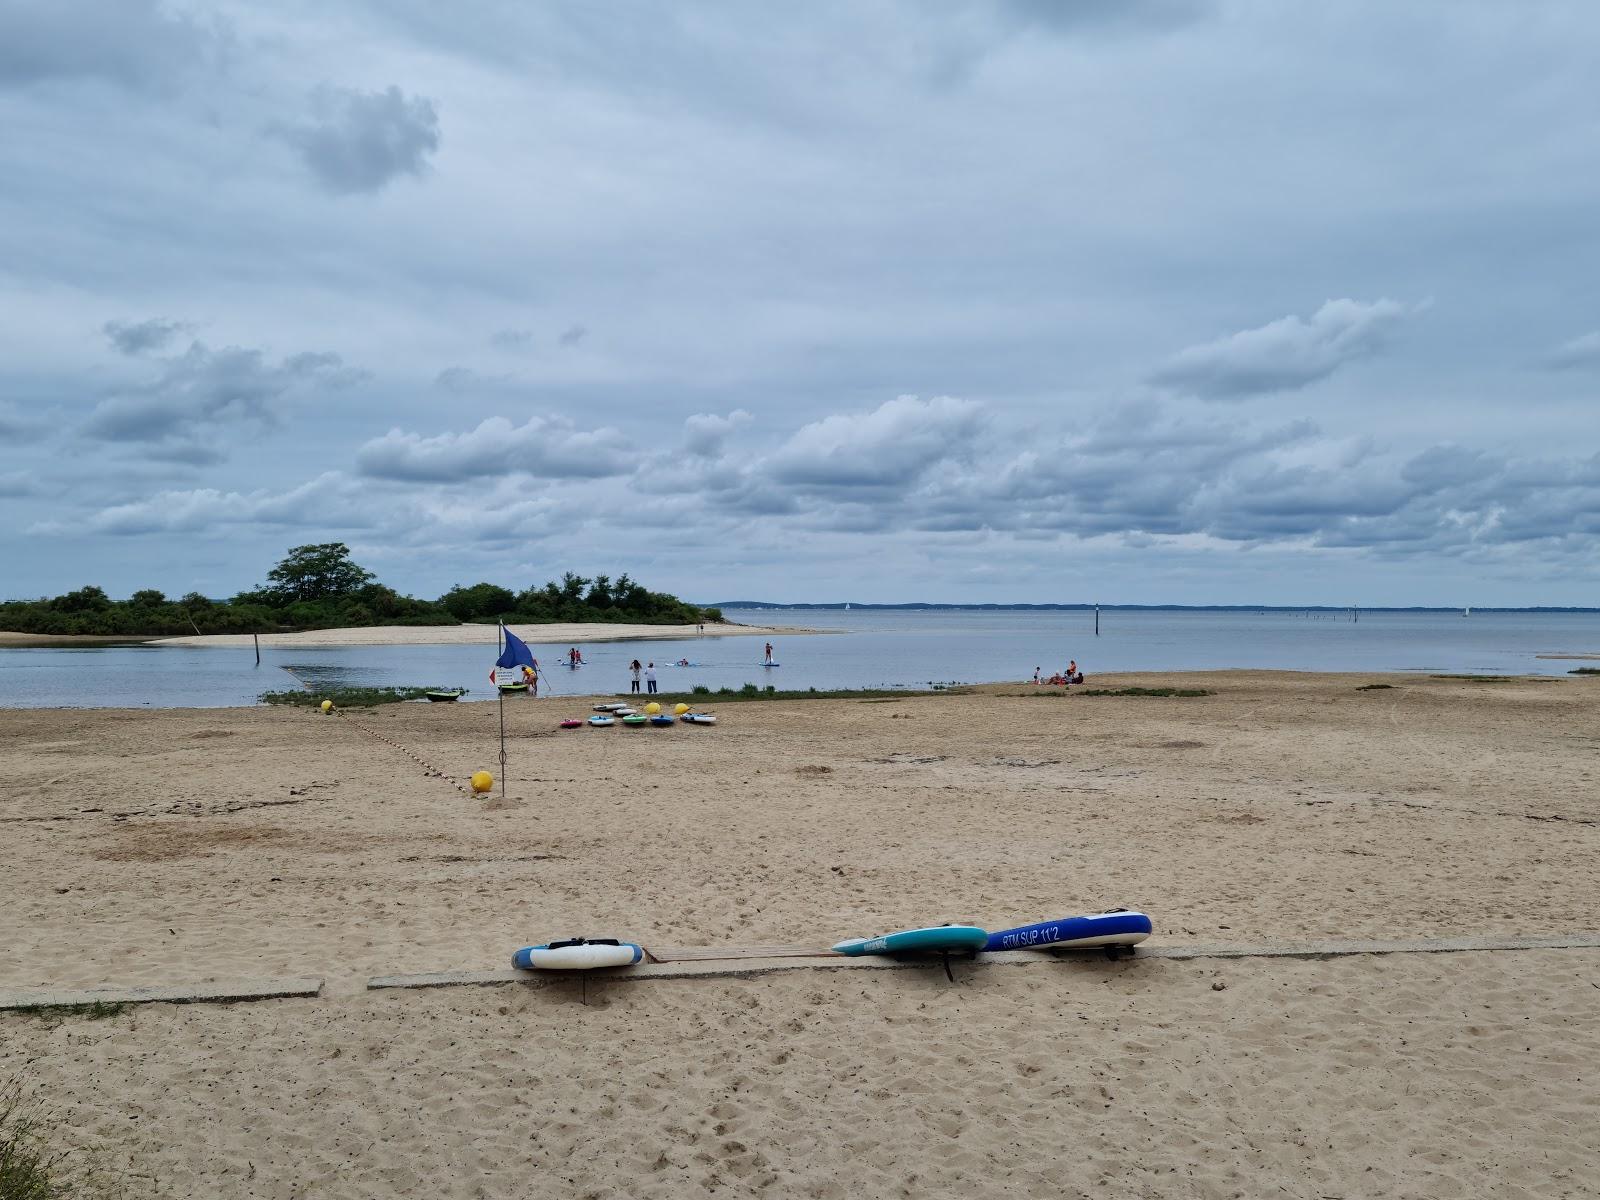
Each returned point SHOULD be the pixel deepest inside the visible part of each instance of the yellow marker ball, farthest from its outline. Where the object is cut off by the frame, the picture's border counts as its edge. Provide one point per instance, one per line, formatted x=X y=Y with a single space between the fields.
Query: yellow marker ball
x=652 y=708
x=680 y=709
x=327 y=706
x=482 y=781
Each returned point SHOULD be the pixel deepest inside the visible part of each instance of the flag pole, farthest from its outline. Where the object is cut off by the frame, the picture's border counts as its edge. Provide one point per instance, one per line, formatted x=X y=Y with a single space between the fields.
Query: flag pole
x=500 y=642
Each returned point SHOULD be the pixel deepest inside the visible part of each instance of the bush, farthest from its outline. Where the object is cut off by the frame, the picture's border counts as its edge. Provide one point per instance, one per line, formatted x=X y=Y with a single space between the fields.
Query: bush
x=700 y=689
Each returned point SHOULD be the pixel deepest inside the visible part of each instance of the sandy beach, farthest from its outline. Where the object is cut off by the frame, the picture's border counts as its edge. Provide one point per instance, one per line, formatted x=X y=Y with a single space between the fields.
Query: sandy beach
x=483 y=635
x=172 y=846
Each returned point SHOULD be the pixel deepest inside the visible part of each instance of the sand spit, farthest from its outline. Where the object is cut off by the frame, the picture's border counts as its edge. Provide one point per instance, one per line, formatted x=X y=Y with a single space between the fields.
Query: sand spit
x=485 y=635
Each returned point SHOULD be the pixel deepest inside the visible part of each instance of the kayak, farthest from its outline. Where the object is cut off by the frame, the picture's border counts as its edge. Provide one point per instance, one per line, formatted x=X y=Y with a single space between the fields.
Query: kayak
x=934 y=937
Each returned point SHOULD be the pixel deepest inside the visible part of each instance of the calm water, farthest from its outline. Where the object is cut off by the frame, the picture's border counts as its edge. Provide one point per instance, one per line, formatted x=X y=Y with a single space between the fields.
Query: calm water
x=876 y=649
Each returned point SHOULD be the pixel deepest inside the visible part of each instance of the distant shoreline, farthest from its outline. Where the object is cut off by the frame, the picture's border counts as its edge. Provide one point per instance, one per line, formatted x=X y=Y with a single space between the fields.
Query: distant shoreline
x=484 y=635
x=921 y=606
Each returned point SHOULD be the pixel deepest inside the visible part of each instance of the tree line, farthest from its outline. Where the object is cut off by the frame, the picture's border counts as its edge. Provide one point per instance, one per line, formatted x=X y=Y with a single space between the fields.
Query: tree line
x=320 y=587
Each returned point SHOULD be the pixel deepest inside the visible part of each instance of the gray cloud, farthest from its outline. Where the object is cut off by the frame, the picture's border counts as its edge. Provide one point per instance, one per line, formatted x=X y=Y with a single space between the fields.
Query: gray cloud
x=1283 y=355
x=511 y=339
x=543 y=446
x=17 y=483
x=137 y=44
x=1581 y=353
x=154 y=334
x=572 y=335
x=362 y=141
x=705 y=434
x=203 y=390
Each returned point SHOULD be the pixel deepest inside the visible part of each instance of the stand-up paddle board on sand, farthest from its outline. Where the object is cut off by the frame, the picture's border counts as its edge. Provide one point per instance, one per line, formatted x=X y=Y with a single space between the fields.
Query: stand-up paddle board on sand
x=1120 y=927
x=906 y=941
x=578 y=954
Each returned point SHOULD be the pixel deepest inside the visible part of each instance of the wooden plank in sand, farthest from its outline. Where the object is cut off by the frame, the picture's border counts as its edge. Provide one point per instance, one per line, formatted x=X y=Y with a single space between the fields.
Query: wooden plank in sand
x=24 y=999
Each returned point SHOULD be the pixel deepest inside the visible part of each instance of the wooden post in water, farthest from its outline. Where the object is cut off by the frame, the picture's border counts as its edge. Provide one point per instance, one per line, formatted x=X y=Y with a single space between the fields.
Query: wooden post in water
x=257 y=638
x=1097 y=620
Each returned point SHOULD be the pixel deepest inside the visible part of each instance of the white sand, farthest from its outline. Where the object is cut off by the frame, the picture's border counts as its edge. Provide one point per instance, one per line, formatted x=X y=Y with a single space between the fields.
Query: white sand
x=484 y=635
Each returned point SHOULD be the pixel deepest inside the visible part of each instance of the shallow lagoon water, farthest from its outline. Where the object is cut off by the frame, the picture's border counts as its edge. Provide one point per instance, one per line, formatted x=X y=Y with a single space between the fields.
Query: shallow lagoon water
x=873 y=648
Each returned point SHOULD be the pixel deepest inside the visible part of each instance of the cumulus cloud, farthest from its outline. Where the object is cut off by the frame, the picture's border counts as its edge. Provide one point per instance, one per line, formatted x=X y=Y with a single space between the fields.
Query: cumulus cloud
x=886 y=448
x=154 y=334
x=548 y=447
x=706 y=433
x=1285 y=354
x=136 y=44
x=1581 y=353
x=203 y=390
x=362 y=141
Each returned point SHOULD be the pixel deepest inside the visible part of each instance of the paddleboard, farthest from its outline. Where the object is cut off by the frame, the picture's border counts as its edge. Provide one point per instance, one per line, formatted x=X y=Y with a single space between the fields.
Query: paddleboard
x=572 y=723
x=772 y=664
x=578 y=954
x=634 y=718
x=936 y=937
x=602 y=722
x=698 y=719
x=661 y=719
x=1120 y=927
x=622 y=710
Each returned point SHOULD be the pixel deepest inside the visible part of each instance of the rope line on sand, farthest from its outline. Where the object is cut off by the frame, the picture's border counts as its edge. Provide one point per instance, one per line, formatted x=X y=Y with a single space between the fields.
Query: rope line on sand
x=427 y=767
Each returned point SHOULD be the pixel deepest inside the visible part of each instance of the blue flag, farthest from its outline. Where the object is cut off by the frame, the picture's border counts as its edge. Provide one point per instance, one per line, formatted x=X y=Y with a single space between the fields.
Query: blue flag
x=516 y=653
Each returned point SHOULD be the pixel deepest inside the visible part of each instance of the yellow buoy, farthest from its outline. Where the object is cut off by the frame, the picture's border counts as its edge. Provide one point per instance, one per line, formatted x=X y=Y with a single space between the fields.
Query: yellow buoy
x=327 y=706
x=680 y=709
x=652 y=708
x=482 y=781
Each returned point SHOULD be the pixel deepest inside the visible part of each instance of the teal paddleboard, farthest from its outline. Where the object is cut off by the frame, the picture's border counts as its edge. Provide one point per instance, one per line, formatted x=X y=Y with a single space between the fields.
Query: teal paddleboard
x=937 y=937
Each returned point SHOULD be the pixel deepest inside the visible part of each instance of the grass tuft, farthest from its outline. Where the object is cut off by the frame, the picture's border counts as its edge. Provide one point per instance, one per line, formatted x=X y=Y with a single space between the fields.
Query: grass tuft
x=352 y=697
x=1479 y=678
x=33 y=1166
x=1584 y=671
x=1374 y=687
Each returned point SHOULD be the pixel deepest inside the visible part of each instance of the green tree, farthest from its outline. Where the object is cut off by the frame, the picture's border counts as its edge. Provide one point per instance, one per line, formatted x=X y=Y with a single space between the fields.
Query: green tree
x=147 y=598
x=87 y=599
x=479 y=600
x=319 y=572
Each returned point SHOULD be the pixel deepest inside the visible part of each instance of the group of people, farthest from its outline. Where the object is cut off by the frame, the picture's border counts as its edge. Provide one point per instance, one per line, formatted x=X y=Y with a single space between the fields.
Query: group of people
x=1060 y=678
x=648 y=671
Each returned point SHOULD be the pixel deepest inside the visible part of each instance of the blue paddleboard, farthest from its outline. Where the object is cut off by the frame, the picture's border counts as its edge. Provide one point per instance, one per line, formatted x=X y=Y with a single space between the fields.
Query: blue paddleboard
x=1121 y=927
x=938 y=937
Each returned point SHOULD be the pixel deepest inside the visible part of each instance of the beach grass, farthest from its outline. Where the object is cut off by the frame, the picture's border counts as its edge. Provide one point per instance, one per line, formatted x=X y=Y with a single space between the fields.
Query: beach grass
x=1478 y=678
x=1584 y=671
x=33 y=1166
x=347 y=697
x=1374 y=687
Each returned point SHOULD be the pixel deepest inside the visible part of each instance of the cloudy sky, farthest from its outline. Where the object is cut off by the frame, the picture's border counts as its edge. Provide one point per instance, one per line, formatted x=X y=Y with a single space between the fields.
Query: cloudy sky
x=1196 y=301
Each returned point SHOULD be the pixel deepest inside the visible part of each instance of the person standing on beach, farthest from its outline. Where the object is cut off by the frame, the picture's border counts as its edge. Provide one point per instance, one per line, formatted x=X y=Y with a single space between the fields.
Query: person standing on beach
x=650 y=678
x=1036 y=675
x=769 y=654
x=633 y=669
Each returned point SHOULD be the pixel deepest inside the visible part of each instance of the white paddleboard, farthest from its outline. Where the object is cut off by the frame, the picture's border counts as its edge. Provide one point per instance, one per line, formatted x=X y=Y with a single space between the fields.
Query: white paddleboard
x=577 y=954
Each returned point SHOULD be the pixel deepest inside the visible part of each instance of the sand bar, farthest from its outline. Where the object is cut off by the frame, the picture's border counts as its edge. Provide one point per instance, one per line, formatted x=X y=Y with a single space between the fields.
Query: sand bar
x=485 y=635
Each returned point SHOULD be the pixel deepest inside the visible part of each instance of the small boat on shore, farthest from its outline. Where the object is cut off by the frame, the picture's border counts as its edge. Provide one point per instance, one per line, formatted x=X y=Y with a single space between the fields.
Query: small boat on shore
x=512 y=687
x=444 y=695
